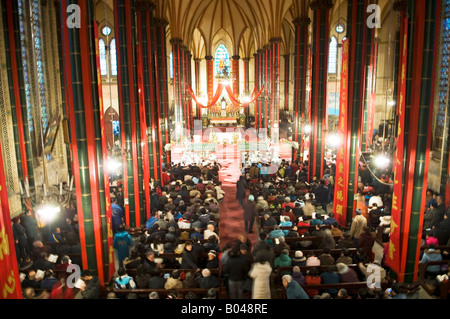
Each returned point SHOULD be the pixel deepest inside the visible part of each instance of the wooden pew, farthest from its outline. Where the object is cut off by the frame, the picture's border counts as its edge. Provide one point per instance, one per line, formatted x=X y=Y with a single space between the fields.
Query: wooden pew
x=201 y=292
x=427 y=286
x=349 y=286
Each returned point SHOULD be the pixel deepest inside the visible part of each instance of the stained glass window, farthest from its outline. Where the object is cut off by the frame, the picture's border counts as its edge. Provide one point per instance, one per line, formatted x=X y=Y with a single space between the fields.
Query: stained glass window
x=113 y=57
x=332 y=56
x=102 y=53
x=340 y=28
x=443 y=84
x=171 y=65
x=25 y=66
x=35 y=6
x=106 y=31
x=221 y=60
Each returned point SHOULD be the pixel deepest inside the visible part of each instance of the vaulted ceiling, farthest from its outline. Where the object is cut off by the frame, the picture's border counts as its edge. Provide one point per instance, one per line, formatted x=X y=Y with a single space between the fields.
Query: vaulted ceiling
x=243 y=25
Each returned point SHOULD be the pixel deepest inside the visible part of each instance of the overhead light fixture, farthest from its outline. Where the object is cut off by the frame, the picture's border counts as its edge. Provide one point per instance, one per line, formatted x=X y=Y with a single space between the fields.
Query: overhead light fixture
x=391 y=103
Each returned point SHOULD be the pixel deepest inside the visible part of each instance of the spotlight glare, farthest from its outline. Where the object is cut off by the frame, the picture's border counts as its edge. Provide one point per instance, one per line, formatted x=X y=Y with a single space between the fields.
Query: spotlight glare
x=113 y=165
x=48 y=212
x=307 y=129
x=381 y=161
x=334 y=140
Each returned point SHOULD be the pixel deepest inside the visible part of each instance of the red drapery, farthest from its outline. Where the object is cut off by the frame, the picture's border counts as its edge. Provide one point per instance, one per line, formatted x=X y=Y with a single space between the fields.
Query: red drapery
x=393 y=256
x=219 y=90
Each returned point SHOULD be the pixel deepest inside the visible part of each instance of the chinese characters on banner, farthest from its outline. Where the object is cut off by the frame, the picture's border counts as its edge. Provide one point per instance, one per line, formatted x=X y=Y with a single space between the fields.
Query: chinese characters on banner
x=210 y=75
x=340 y=194
x=393 y=256
x=10 y=287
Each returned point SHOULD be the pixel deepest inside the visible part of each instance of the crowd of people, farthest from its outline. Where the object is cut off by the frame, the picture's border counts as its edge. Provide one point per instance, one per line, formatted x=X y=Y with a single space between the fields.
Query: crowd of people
x=45 y=252
x=179 y=247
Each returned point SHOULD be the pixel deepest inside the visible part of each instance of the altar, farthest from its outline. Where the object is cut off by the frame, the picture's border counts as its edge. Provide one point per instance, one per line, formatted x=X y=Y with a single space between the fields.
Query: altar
x=223 y=121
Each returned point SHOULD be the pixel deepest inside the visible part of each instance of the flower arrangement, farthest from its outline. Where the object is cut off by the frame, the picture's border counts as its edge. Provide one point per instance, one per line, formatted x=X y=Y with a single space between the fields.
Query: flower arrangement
x=295 y=145
x=235 y=138
x=168 y=147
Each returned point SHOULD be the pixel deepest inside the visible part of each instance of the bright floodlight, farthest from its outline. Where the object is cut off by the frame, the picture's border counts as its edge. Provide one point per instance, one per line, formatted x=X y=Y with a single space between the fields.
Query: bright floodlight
x=307 y=129
x=391 y=103
x=334 y=140
x=113 y=165
x=48 y=212
x=381 y=161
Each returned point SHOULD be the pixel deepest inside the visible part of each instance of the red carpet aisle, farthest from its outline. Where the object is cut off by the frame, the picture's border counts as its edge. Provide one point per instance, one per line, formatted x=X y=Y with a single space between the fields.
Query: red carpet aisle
x=231 y=213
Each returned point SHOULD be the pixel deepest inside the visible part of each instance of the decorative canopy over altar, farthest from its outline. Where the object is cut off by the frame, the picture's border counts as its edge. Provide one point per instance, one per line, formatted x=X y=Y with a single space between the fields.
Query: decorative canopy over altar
x=218 y=94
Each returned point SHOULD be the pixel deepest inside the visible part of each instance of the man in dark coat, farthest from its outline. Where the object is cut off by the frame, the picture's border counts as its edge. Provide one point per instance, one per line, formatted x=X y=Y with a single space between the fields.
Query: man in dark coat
x=250 y=214
x=442 y=231
x=321 y=194
x=189 y=259
x=92 y=288
x=236 y=269
x=31 y=228
x=20 y=238
x=241 y=189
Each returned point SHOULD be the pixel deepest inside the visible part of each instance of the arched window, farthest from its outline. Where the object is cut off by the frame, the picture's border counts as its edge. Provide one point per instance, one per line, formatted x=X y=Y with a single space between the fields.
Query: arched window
x=113 y=57
x=221 y=60
x=25 y=65
x=332 y=56
x=441 y=109
x=171 y=65
x=102 y=53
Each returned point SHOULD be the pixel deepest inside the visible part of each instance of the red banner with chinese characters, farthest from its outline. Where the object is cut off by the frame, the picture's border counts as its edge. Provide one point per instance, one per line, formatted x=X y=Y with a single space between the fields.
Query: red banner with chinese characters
x=10 y=287
x=340 y=193
x=210 y=79
x=393 y=256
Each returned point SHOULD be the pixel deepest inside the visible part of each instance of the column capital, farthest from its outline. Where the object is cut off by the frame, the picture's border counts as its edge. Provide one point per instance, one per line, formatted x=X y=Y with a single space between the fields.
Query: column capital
x=276 y=40
x=321 y=5
x=302 y=21
x=246 y=59
x=287 y=56
x=400 y=5
x=161 y=22
x=144 y=5
x=209 y=58
x=176 y=41
x=197 y=60
x=235 y=57
x=259 y=51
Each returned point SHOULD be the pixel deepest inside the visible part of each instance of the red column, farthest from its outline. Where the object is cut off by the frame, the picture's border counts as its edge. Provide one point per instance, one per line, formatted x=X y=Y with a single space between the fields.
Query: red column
x=197 y=87
x=235 y=70
x=286 y=80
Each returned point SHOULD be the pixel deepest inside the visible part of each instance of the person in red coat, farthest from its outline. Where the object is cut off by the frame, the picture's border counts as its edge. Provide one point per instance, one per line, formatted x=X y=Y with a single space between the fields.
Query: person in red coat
x=165 y=178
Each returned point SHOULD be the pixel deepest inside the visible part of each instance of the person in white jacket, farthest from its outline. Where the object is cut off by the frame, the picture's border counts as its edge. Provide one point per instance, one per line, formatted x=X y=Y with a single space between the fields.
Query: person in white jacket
x=219 y=192
x=260 y=273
